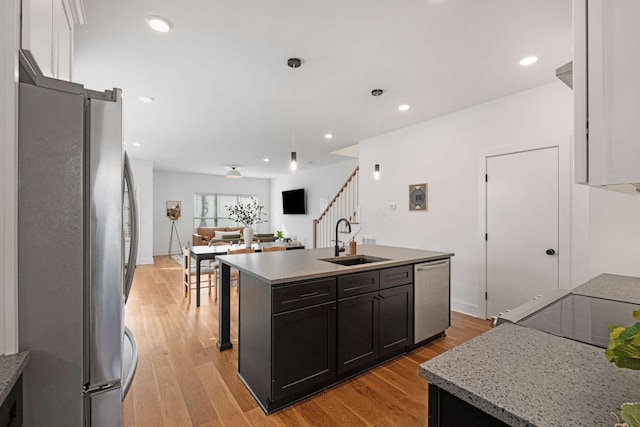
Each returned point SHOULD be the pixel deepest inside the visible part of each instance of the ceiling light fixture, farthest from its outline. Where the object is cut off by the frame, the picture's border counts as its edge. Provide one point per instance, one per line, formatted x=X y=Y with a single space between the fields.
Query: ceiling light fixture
x=376 y=169
x=146 y=99
x=266 y=159
x=159 y=23
x=328 y=136
x=293 y=63
x=404 y=107
x=233 y=172
x=529 y=60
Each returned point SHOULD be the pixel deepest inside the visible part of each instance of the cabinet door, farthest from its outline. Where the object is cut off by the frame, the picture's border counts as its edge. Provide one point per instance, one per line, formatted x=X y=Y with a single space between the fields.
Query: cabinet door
x=357 y=331
x=47 y=32
x=396 y=319
x=304 y=349
x=37 y=32
x=606 y=91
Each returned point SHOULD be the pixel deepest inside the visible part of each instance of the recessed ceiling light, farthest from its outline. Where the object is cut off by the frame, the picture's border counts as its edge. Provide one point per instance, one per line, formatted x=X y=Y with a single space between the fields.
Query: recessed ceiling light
x=328 y=136
x=137 y=144
x=159 y=23
x=529 y=60
x=146 y=99
x=404 y=107
x=266 y=159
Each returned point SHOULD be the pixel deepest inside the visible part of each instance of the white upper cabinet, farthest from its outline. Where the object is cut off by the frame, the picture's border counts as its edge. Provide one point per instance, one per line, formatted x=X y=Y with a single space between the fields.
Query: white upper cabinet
x=47 y=32
x=606 y=85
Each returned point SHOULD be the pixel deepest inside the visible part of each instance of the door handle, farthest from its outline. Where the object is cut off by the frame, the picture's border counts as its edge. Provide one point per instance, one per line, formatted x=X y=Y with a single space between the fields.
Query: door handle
x=133 y=248
x=550 y=252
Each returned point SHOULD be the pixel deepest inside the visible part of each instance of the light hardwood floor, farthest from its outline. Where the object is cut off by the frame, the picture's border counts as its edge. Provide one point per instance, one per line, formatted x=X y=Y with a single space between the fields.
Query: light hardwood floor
x=183 y=380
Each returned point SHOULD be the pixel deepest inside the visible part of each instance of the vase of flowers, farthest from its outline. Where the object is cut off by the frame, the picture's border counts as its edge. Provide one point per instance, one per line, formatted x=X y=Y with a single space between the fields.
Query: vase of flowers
x=247 y=214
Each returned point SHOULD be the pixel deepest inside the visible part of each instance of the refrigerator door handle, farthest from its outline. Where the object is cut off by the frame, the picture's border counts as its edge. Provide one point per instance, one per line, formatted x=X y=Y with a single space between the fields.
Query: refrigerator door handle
x=132 y=365
x=133 y=249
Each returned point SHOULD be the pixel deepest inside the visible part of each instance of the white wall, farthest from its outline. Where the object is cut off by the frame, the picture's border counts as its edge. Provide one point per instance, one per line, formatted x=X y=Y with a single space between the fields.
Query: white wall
x=182 y=186
x=318 y=183
x=444 y=152
x=614 y=222
x=143 y=180
x=9 y=26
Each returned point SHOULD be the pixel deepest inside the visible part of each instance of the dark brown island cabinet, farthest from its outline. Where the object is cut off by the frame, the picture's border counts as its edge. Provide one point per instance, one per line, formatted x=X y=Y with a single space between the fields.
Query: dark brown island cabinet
x=446 y=410
x=312 y=334
x=11 y=407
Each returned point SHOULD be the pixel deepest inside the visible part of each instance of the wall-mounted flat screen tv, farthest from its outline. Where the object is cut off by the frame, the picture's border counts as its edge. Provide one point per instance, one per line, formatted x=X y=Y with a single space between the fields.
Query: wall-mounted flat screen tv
x=293 y=202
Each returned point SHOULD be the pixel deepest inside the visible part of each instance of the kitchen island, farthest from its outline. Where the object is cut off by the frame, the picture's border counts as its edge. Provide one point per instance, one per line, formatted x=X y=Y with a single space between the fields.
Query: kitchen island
x=528 y=377
x=307 y=321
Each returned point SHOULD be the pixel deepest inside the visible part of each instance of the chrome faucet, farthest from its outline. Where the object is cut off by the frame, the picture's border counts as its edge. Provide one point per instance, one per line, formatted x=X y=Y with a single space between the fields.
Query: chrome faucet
x=337 y=249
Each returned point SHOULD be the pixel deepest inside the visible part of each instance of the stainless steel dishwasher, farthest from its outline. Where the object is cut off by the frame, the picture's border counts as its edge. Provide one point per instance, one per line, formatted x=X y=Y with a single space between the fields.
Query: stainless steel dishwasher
x=431 y=310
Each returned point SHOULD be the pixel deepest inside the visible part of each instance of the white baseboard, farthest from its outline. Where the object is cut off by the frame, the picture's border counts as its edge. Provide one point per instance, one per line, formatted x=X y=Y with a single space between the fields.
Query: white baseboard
x=164 y=253
x=144 y=261
x=466 y=308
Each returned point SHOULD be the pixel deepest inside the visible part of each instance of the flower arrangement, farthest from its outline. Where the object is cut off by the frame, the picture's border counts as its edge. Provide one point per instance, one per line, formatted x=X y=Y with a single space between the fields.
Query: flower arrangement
x=247 y=214
x=624 y=351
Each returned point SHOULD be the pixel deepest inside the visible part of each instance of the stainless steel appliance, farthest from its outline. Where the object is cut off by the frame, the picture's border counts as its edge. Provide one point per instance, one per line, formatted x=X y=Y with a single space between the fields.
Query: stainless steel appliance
x=431 y=299
x=73 y=279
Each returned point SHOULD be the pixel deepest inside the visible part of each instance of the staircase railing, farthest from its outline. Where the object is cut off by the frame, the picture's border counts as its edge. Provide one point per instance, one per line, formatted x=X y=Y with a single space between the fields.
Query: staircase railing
x=343 y=205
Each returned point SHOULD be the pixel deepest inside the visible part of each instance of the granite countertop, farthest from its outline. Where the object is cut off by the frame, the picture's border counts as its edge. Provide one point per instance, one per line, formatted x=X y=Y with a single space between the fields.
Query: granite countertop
x=291 y=266
x=613 y=287
x=526 y=377
x=10 y=369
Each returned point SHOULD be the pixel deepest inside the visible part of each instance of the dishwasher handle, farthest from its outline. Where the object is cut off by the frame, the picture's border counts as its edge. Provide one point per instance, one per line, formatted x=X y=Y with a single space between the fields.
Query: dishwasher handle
x=431 y=266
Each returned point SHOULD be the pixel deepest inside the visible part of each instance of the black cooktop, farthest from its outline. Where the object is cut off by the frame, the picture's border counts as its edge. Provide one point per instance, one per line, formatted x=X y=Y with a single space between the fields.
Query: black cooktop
x=582 y=318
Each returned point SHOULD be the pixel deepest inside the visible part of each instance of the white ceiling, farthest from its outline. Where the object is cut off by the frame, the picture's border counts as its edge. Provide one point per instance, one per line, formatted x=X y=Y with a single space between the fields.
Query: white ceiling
x=223 y=90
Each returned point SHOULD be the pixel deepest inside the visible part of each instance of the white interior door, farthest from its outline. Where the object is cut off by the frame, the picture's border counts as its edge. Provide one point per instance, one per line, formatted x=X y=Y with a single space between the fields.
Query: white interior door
x=522 y=227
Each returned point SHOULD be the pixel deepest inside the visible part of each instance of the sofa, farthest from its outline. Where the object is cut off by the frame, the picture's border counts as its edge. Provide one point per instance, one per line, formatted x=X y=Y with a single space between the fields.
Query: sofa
x=206 y=235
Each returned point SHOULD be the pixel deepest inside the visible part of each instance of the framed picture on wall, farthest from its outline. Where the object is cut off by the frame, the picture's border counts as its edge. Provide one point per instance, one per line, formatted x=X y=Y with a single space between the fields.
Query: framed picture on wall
x=173 y=209
x=418 y=197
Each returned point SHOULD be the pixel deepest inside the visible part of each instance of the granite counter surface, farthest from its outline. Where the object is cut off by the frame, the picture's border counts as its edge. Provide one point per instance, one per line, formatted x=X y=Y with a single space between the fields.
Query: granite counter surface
x=525 y=377
x=10 y=369
x=613 y=287
x=295 y=265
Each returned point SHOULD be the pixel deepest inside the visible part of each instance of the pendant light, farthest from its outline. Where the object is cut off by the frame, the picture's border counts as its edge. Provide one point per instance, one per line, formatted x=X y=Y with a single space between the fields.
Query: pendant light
x=376 y=169
x=293 y=63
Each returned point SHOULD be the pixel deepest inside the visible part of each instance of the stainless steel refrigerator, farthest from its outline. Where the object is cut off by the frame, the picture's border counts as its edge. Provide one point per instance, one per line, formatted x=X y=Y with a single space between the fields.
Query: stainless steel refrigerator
x=73 y=176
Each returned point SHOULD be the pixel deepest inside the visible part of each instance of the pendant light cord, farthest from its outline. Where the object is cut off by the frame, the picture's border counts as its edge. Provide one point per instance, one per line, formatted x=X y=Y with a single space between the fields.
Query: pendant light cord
x=293 y=112
x=377 y=129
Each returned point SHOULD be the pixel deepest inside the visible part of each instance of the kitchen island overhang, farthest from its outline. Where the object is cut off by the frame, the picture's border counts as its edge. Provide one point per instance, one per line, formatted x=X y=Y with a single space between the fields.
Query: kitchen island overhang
x=306 y=324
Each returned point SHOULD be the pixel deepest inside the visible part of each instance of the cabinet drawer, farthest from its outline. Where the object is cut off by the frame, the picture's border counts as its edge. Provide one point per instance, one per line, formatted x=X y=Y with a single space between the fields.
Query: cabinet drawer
x=390 y=277
x=360 y=283
x=305 y=294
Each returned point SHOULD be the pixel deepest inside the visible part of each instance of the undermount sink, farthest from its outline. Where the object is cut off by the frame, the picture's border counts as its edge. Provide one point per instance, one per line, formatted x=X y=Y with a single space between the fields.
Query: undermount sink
x=354 y=259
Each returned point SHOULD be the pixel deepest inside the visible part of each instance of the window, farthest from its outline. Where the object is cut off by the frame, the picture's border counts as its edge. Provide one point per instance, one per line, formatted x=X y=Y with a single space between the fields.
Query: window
x=210 y=210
